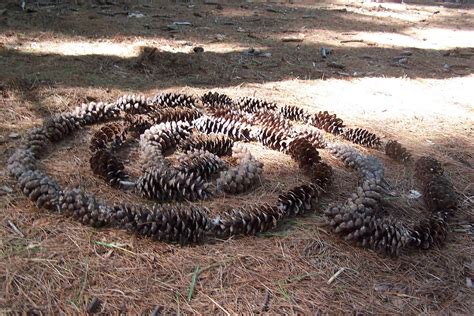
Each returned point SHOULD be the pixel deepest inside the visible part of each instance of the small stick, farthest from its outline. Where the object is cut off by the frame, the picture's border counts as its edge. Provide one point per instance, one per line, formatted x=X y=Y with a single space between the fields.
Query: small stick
x=218 y=305
x=335 y=275
x=352 y=41
x=15 y=229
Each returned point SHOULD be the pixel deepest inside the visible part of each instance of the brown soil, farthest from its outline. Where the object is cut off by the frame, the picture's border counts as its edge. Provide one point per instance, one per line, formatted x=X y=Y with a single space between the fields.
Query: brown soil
x=59 y=56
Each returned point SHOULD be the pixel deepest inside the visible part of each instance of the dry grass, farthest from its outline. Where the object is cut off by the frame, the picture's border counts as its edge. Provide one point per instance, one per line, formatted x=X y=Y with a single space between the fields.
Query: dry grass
x=59 y=265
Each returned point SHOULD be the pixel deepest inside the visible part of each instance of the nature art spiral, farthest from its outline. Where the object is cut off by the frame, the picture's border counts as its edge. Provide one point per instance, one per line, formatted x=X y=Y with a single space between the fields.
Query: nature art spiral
x=202 y=132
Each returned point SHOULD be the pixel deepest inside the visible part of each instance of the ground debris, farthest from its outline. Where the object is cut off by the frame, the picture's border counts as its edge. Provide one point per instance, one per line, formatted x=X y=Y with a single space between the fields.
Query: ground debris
x=94 y=306
x=336 y=65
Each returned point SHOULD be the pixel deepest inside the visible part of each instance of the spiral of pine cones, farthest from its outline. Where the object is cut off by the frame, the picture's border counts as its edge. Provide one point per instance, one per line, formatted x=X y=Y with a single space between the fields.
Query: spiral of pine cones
x=174 y=122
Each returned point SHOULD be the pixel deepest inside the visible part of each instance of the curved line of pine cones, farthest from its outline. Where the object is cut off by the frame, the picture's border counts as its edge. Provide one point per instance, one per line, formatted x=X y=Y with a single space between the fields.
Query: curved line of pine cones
x=204 y=134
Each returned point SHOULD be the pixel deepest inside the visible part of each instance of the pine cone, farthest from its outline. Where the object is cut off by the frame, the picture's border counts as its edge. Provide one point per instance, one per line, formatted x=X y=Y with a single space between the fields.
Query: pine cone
x=252 y=105
x=113 y=133
x=22 y=160
x=330 y=123
x=298 y=200
x=243 y=176
x=246 y=221
x=216 y=100
x=427 y=168
x=201 y=162
x=233 y=129
x=321 y=174
x=303 y=152
x=137 y=124
x=174 y=114
x=396 y=151
x=104 y=164
x=173 y=100
x=152 y=157
x=84 y=208
x=167 y=184
x=40 y=189
x=172 y=223
x=133 y=104
x=362 y=136
x=369 y=167
x=360 y=224
x=439 y=194
x=57 y=127
x=231 y=115
x=96 y=112
x=313 y=135
x=273 y=138
x=36 y=141
x=165 y=136
x=428 y=233
x=271 y=120
x=347 y=154
x=219 y=145
x=294 y=113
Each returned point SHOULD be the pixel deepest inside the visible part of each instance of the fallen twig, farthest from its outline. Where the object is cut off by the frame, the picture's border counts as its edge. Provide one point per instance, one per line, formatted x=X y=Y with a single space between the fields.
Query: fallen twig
x=15 y=229
x=352 y=41
x=331 y=279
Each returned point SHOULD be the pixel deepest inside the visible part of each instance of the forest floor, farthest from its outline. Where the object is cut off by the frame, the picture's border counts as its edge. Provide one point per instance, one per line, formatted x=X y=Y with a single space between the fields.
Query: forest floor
x=404 y=72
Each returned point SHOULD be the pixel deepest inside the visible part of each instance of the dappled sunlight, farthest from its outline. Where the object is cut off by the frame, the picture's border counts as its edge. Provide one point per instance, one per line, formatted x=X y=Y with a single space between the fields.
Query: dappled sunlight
x=384 y=98
x=432 y=38
x=128 y=49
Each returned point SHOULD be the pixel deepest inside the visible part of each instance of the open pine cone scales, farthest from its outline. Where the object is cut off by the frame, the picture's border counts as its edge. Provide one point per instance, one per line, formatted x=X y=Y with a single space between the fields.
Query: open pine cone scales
x=85 y=208
x=216 y=100
x=175 y=114
x=242 y=177
x=173 y=100
x=106 y=165
x=219 y=145
x=303 y=152
x=40 y=189
x=274 y=138
x=330 y=123
x=112 y=133
x=246 y=221
x=167 y=184
x=362 y=137
x=430 y=232
x=294 y=113
x=396 y=151
x=253 y=105
x=183 y=224
x=133 y=104
x=200 y=162
x=298 y=200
